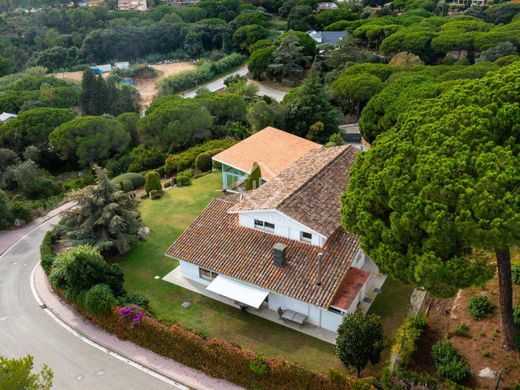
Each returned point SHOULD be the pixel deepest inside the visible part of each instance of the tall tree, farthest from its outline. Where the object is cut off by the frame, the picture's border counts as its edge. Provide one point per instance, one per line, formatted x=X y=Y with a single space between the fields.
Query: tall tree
x=288 y=60
x=94 y=96
x=105 y=218
x=360 y=340
x=438 y=192
x=17 y=374
x=310 y=104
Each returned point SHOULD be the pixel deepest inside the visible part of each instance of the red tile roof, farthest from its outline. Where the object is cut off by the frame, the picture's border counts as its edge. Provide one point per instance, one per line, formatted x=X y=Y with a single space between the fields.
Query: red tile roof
x=216 y=241
x=349 y=288
x=309 y=191
x=274 y=150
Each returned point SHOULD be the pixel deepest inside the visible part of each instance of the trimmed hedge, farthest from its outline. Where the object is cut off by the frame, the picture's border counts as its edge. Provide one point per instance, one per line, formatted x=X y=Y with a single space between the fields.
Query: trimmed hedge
x=204 y=73
x=406 y=338
x=203 y=162
x=184 y=160
x=46 y=251
x=219 y=359
x=128 y=181
x=152 y=182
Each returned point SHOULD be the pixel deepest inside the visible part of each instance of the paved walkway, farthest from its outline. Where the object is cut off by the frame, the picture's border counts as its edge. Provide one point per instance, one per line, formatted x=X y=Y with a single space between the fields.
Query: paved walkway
x=9 y=237
x=189 y=377
x=175 y=277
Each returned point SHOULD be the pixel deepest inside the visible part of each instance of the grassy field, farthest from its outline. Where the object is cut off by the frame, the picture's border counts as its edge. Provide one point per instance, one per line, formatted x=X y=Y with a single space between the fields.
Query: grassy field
x=167 y=219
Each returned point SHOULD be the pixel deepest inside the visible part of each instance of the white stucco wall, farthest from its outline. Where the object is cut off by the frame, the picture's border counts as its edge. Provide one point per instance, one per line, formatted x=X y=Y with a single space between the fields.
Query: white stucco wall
x=315 y=315
x=284 y=225
x=191 y=271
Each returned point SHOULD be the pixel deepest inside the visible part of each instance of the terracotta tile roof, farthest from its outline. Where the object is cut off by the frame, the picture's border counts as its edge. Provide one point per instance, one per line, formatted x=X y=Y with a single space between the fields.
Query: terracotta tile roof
x=349 y=288
x=309 y=191
x=273 y=149
x=217 y=242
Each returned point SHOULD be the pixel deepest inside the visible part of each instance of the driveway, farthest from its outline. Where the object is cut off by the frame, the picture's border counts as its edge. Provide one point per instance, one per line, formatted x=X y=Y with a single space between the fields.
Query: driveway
x=26 y=329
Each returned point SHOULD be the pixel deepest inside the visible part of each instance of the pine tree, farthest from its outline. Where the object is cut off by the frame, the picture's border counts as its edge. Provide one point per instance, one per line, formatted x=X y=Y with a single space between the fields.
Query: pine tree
x=104 y=218
x=255 y=178
x=289 y=60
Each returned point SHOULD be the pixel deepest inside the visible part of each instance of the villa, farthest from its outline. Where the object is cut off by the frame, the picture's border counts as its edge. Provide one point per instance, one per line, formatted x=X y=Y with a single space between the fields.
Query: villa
x=280 y=251
x=272 y=149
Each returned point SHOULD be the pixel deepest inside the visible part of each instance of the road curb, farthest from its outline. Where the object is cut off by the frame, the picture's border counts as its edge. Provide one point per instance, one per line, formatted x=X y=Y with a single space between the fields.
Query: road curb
x=99 y=344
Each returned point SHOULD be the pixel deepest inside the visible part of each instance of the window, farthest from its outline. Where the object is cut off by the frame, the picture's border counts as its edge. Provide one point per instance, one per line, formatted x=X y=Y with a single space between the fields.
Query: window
x=334 y=310
x=206 y=274
x=269 y=227
x=306 y=237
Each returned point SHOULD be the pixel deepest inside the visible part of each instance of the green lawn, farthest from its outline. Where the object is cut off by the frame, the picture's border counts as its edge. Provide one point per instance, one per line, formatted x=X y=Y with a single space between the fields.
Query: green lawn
x=167 y=218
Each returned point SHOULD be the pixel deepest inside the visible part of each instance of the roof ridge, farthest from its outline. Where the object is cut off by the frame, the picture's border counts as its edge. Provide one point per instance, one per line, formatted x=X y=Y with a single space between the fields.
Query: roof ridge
x=299 y=188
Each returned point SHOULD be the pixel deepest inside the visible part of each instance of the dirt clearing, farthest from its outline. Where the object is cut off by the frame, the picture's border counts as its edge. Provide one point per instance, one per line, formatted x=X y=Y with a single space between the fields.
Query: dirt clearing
x=147 y=87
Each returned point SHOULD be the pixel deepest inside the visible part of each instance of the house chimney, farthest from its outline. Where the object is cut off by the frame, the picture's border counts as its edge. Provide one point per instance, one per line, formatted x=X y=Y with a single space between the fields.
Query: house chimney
x=279 y=254
x=318 y=276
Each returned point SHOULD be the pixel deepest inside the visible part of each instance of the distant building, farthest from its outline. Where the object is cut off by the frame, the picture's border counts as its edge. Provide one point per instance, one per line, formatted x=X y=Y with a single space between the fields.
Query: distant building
x=100 y=69
x=181 y=2
x=132 y=5
x=325 y=6
x=122 y=65
x=6 y=117
x=327 y=37
x=468 y=3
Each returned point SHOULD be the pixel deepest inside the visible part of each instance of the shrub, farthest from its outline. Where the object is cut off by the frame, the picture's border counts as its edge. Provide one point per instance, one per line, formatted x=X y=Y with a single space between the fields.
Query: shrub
x=21 y=210
x=126 y=186
x=152 y=182
x=214 y=357
x=515 y=273
x=136 y=299
x=154 y=195
x=449 y=363
x=187 y=172
x=479 y=307
x=406 y=338
x=79 y=183
x=183 y=180
x=136 y=181
x=46 y=251
x=258 y=366
x=462 y=330
x=203 y=162
x=99 y=299
x=186 y=159
x=82 y=267
x=187 y=80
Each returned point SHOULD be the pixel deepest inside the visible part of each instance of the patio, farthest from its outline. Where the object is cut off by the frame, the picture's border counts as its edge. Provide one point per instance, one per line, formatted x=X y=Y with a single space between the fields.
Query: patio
x=374 y=285
x=176 y=278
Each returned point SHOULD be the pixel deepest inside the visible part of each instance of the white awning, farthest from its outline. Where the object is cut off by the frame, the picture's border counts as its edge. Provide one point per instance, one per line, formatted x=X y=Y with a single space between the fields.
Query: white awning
x=240 y=292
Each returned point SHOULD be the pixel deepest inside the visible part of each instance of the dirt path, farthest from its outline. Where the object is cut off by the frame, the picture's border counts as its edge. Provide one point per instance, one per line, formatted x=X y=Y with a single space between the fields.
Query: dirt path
x=148 y=88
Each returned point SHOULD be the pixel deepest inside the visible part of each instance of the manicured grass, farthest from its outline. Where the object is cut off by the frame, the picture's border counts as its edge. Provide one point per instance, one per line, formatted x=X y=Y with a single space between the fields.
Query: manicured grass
x=168 y=218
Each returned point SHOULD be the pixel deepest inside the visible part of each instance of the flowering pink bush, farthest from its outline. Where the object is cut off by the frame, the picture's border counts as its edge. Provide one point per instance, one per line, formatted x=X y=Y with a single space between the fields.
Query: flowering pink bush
x=131 y=314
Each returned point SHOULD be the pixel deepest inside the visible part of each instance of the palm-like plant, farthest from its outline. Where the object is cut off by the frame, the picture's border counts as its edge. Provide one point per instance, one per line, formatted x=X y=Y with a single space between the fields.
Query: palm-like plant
x=104 y=217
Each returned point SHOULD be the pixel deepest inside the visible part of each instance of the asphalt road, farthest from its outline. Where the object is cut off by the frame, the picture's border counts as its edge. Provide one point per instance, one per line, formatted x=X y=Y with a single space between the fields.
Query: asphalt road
x=219 y=84
x=26 y=329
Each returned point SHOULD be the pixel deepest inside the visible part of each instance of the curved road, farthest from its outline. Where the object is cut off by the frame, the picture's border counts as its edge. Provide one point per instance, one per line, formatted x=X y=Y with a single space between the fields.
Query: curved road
x=26 y=329
x=217 y=84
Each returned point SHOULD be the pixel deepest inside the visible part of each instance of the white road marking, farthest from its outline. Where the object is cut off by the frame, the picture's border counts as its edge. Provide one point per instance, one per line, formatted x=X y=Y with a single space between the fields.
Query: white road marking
x=130 y=362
